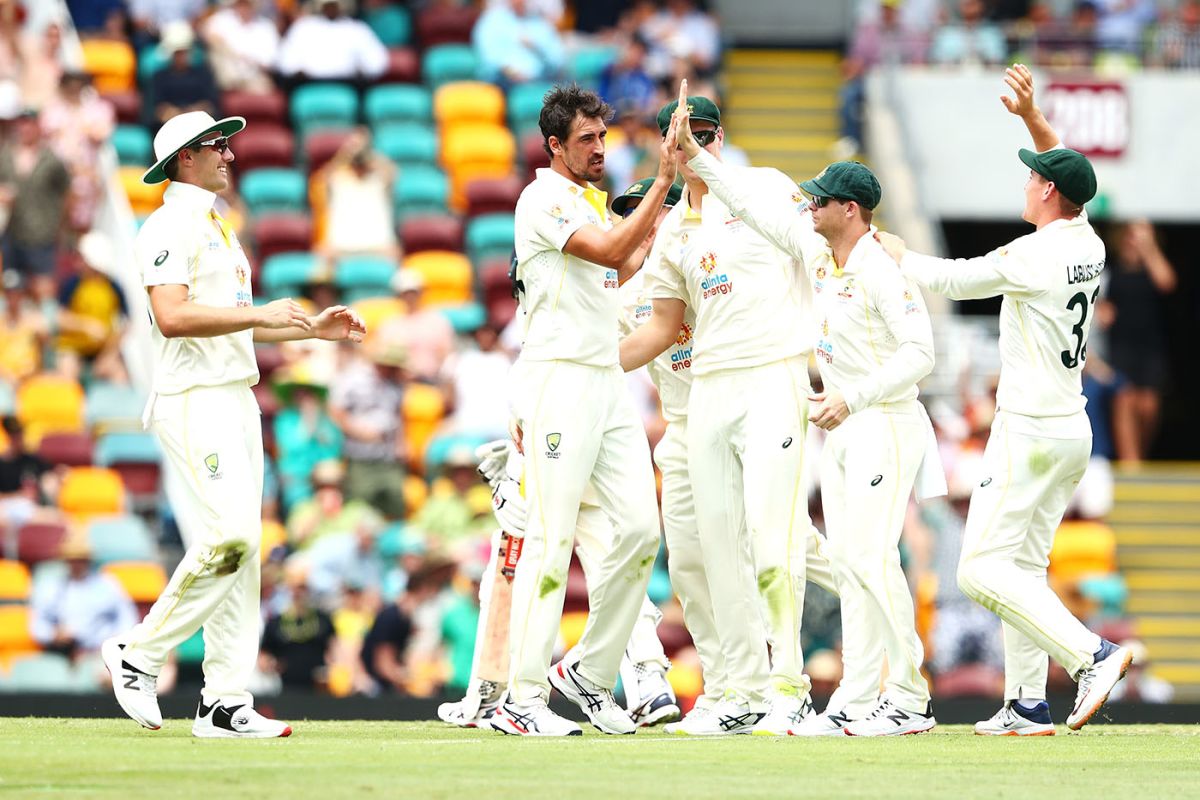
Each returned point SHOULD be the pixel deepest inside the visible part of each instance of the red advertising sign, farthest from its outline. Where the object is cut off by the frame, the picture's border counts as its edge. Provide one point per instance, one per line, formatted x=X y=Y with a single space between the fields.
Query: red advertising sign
x=1092 y=118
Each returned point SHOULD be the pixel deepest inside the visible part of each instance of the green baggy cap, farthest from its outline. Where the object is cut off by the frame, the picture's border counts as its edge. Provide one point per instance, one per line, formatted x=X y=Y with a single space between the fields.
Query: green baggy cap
x=1070 y=170
x=698 y=108
x=639 y=189
x=846 y=180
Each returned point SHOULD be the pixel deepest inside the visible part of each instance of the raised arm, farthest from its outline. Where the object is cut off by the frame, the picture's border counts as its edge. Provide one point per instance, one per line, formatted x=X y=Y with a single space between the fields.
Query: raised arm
x=1020 y=80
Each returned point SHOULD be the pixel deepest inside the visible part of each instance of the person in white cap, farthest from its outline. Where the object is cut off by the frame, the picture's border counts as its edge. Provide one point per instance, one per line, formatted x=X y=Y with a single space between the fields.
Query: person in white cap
x=204 y=325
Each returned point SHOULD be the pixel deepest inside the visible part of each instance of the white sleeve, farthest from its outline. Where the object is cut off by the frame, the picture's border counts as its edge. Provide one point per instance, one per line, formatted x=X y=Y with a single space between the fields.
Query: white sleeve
x=1005 y=270
x=663 y=279
x=164 y=256
x=551 y=220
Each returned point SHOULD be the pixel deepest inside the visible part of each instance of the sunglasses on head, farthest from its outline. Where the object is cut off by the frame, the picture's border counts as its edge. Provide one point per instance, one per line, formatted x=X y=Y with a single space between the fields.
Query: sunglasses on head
x=220 y=144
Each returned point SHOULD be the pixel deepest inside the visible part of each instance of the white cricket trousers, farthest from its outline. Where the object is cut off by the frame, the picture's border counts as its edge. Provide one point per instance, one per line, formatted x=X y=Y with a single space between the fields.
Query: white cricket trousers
x=579 y=426
x=212 y=438
x=745 y=441
x=868 y=467
x=1015 y=511
x=685 y=562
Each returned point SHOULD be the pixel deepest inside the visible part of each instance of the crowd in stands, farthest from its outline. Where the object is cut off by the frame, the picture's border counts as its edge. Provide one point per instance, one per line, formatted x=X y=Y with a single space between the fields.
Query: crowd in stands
x=386 y=147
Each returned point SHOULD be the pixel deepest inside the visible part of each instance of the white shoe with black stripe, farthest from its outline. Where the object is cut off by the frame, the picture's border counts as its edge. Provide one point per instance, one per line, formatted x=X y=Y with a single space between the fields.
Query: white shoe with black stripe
x=888 y=719
x=830 y=722
x=595 y=701
x=653 y=700
x=729 y=717
x=219 y=721
x=136 y=691
x=533 y=719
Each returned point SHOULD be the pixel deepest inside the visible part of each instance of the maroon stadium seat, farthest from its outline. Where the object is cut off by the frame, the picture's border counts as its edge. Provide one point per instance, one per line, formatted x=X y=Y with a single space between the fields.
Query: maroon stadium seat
x=128 y=106
x=39 y=541
x=321 y=145
x=256 y=107
x=404 y=66
x=533 y=154
x=270 y=358
x=264 y=145
x=431 y=233
x=446 y=25
x=141 y=479
x=282 y=233
x=493 y=195
x=68 y=449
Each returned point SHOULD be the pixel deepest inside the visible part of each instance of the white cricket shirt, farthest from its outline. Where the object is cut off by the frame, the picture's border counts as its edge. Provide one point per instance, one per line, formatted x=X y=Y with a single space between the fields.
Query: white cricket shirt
x=571 y=304
x=184 y=243
x=671 y=371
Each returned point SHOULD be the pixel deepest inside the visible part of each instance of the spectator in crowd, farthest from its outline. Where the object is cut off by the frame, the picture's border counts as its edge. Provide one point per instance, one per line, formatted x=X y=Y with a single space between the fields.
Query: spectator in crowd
x=93 y=311
x=626 y=84
x=632 y=148
x=1139 y=686
x=515 y=44
x=152 y=18
x=328 y=512
x=330 y=45
x=1122 y=24
x=358 y=201
x=423 y=334
x=243 y=46
x=23 y=331
x=33 y=192
x=685 y=41
x=550 y=10
x=460 y=621
x=42 y=65
x=20 y=476
x=347 y=559
x=92 y=16
x=477 y=377
x=184 y=84
x=459 y=509
x=972 y=40
x=77 y=122
x=1139 y=276
x=1065 y=44
x=75 y=614
x=297 y=643
x=305 y=435
x=1177 y=43
x=352 y=620
x=365 y=402
x=385 y=651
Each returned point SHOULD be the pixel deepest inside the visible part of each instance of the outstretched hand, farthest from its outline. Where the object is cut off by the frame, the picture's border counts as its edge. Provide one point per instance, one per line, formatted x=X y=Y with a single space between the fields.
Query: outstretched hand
x=1020 y=80
x=681 y=124
x=337 y=323
x=893 y=245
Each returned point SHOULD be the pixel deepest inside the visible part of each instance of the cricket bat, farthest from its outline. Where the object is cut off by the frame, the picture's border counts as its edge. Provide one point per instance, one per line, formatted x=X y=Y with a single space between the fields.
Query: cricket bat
x=493 y=658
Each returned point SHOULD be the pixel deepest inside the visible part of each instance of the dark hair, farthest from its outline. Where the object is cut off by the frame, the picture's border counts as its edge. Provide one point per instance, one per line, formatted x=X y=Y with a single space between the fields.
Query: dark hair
x=562 y=104
x=171 y=168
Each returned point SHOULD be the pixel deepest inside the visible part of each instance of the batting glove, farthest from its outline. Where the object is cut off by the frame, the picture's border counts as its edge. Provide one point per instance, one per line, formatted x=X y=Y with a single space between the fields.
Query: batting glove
x=492 y=458
x=509 y=507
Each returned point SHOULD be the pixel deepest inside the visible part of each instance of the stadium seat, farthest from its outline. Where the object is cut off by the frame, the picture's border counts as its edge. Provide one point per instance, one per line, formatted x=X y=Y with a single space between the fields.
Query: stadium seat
x=431 y=232
x=112 y=64
x=375 y=311
x=403 y=66
x=128 y=105
x=143 y=198
x=447 y=63
x=47 y=576
x=256 y=107
x=143 y=581
x=49 y=404
x=137 y=458
x=90 y=491
x=359 y=277
x=15 y=582
x=525 y=106
x=490 y=236
x=281 y=233
x=586 y=64
x=407 y=143
x=264 y=145
x=133 y=146
x=466 y=102
x=533 y=155
x=14 y=631
x=39 y=541
x=121 y=537
x=111 y=406
x=493 y=195
x=192 y=650
x=320 y=146
x=274 y=190
x=67 y=449
x=324 y=105
x=465 y=318
x=42 y=672
x=420 y=190
x=284 y=274
x=397 y=103
x=270 y=357
x=476 y=151
x=442 y=24
x=447 y=276
x=423 y=408
x=392 y=24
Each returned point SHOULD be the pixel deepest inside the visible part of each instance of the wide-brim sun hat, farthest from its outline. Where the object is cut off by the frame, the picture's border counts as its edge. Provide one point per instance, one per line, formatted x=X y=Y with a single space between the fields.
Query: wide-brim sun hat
x=184 y=130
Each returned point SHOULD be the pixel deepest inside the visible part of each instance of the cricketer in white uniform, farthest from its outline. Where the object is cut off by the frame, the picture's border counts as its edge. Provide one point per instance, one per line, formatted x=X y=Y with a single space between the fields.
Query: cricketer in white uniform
x=874 y=344
x=206 y=419
x=747 y=422
x=1040 y=440
x=578 y=422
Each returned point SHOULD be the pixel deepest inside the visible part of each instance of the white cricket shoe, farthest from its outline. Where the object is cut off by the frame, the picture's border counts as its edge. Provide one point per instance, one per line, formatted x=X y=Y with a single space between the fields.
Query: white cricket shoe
x=136 y=691
x=890 y=720
x=475 y=713
x=1095 y=682
x=787 y=711
x=1016 y=720
x=830 y=722
x=654 y=699
x=220 y=721
x=730 y=716
x=691 y=719
x=534 y=719
x=595 y=701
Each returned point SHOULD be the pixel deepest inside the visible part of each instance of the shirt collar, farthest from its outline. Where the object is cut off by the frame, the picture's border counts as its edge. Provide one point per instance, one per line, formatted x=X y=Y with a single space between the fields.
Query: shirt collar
x=190 y=196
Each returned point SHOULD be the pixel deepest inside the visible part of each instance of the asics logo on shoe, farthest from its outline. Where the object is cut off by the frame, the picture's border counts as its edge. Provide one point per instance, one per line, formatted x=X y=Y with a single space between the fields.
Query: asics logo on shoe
x=749 y=718
x=593 y=699
x=522 y=722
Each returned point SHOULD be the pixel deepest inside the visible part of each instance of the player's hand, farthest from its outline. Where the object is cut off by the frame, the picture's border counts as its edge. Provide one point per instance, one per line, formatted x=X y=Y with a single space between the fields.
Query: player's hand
x=830 y=411
x=668 y=159
x=337 y=323
x=683 y=125
x=509 y=508
x=893 y=245
x=1020 y=80
x=283 y=313
x=493 y=457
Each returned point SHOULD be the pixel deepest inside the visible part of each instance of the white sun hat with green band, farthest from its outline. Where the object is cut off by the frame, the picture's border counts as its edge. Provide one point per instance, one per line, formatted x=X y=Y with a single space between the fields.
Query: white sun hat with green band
x=183 y=131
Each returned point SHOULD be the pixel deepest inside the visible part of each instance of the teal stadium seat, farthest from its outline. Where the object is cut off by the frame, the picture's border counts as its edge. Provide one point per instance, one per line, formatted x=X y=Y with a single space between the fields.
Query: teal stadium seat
x=490 y=236
x=284 y=274
x=192 y=649
x=391 y=24
x=446 y=63
x=398 y=103
x=124 y=537
x=525 y=106
x=274 y=190
x=109 y=406
x=127 y=447
x=440 y=447
x=465 y=318
x=324 y=105
x=420 y=190
x=151 y=59
x=360 y=277
x=41 y=672
x=407 y=143
x=133 y=145
x=585 y=65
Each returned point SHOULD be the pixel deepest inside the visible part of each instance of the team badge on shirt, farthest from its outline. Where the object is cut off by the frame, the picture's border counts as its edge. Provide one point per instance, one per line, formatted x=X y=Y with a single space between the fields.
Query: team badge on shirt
x=819 y=283
x=213 y=462
x=910 y=305
x=241 y=274
x=553 y=440
x=559 y=217
x=847 y=292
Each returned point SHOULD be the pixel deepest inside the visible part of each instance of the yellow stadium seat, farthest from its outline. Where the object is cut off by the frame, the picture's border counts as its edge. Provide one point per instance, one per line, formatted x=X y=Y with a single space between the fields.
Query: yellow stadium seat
x=15 y=581
x=571 y=627
x=375 y=311
x=112 y=64
x=476 y=150
x=143 y=199
x=273 y=535
x=415 y=494
x=91 y=491
x=49 y=404
x=143 y=581
x=468 y=101
x=1083 y=548
x=14 y=631
x=447 y=276
x=423 y=408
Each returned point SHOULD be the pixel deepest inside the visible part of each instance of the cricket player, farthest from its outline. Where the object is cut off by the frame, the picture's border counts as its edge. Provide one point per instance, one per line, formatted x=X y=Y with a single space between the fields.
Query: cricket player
x=1040 y=440
x=579 y=422
x=875 y=342
x=746 y=427
x=204 y=326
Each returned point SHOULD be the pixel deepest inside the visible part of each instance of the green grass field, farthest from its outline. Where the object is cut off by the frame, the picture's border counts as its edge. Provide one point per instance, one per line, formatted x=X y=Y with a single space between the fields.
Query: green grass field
x=114 y=758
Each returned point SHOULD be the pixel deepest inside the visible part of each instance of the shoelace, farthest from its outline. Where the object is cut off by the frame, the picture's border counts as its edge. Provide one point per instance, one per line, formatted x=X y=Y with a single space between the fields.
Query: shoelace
x=880 y=709
x=1085 y=683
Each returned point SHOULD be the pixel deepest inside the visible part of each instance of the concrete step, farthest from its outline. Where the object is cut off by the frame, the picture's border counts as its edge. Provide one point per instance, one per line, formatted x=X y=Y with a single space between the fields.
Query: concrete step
x=774 y=80
x=1174 y=649
x=1157 y=492
x=1182 y=675
x=783 y=99
x=1152 y=535
x=1163 y=580
x=1142 y=512
x=1157 y=558
x=1182 y=626
x=792 y=58
x=793 y=142
x=1144 y=602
